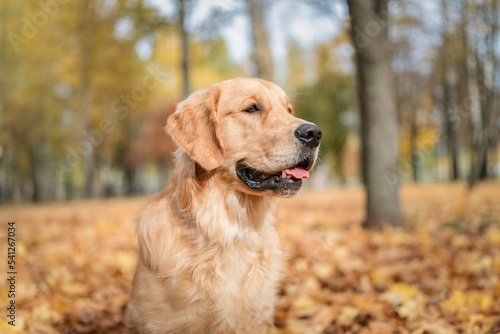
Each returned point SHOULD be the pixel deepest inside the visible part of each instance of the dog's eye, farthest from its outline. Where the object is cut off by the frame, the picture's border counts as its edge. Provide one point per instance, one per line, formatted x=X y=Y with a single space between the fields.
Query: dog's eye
x=252 y=109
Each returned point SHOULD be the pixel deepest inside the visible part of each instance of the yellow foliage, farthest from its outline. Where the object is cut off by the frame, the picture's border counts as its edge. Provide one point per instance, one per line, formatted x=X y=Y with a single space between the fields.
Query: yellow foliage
x=339 y=278
x=468 y=302
x=426 y=140
x=347 y=315
x=406 y=299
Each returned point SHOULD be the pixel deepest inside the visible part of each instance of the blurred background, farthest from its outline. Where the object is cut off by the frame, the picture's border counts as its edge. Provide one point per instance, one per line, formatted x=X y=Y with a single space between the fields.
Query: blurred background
x=405 y=91
x=86 y=86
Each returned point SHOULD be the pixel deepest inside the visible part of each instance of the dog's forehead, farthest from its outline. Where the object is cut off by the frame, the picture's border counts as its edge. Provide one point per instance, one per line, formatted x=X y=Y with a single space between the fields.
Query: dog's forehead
x=252 y=87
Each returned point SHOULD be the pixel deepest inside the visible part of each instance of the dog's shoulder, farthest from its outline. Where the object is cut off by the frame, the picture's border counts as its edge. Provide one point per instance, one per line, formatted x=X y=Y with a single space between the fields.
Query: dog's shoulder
x=155 y=229
x=155 y=213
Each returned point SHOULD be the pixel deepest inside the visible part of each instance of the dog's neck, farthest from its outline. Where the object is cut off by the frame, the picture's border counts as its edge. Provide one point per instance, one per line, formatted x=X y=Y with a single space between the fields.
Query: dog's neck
x=221 y=213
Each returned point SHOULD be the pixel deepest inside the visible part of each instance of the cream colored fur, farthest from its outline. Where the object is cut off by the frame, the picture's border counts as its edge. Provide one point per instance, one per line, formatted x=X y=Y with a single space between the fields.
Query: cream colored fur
x=209 y=254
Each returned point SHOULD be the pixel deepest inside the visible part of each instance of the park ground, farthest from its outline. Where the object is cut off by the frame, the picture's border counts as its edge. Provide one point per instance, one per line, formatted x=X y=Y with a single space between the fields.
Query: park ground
x=439 y=273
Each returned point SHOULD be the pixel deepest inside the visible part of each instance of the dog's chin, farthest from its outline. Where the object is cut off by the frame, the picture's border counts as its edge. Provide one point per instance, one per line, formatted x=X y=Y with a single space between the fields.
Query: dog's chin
x=276 y=183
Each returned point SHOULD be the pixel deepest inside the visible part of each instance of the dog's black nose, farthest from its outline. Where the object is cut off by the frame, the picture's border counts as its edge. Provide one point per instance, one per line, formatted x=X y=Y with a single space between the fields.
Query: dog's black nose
x=309 y=134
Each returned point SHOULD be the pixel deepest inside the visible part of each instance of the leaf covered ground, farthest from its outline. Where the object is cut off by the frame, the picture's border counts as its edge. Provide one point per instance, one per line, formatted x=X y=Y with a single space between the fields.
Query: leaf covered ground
x=440 y=273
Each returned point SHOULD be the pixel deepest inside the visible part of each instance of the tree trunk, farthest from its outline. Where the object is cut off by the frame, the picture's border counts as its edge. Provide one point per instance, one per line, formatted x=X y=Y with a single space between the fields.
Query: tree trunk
x=479 y=163
x=85 y=96
x=486 y=103
x=35 y=153
x=130 y=181
x=449 y=105
x=185 y=47
x=379 y=130
x=339 y=163
x=261 y=55
x=413 y=143
x=494 y=154
x=474 y=97
x=450 y=117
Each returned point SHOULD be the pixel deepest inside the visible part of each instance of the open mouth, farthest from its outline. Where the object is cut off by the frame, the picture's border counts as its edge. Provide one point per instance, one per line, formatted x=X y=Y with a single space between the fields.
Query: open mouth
x=289 y=179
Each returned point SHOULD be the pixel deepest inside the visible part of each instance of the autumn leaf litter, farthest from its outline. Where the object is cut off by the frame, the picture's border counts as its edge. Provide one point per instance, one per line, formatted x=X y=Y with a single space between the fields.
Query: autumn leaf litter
x=440 y=273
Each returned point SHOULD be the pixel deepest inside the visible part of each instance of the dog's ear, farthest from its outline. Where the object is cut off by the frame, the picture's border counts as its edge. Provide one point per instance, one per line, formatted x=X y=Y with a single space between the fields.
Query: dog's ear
x=195 y=127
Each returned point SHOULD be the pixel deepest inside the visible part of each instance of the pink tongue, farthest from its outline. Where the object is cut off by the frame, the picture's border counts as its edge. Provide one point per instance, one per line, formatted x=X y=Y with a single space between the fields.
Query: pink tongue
x=297 y=173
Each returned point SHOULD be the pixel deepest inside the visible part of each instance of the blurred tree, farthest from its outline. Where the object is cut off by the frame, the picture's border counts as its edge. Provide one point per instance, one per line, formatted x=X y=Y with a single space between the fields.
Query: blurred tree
x=184 y=35
x=261 y=53
x=296 y=78
x=481 y=32
x=379 y=133
x=10 y=163
x=110 y=123
x=408 y=88
x=212 y=63
x=77 y=97
x=414 y=86
x=449 y=99
x=327 y=103
x=472 y=78
x=86 y=50
x=257 y=12
x=27 y=133
x=75 y=106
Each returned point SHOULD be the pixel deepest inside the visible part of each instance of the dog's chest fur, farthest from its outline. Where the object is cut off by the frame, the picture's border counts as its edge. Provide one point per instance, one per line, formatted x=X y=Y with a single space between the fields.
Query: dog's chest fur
x=233 y=284
x=215 y=269
x=235 y=262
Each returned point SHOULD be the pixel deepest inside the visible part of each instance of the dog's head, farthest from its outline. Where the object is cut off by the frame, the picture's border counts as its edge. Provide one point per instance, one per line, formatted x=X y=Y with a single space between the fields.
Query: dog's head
x=245 y=129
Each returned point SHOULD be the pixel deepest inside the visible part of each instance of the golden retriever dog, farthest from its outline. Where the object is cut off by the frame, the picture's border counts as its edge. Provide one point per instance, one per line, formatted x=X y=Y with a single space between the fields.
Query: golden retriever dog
x=209 y=255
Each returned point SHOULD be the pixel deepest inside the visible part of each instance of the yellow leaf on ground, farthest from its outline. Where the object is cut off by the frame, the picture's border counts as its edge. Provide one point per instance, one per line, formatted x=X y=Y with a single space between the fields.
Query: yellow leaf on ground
x=347 y=315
